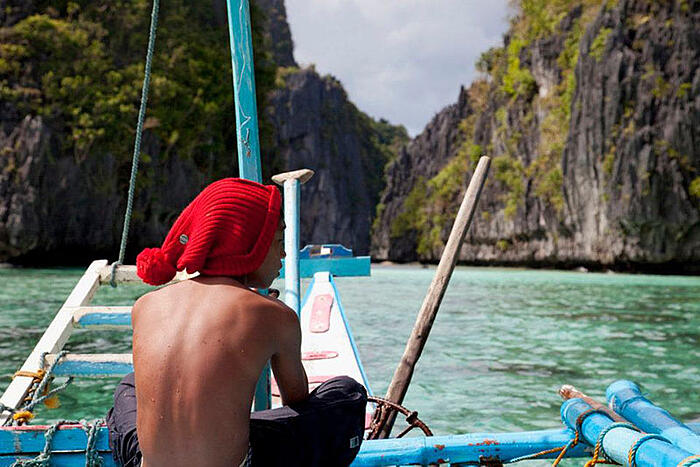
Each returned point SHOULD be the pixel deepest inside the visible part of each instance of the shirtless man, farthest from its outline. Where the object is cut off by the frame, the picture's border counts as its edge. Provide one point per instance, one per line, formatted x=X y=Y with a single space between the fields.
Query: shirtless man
x=200 y=345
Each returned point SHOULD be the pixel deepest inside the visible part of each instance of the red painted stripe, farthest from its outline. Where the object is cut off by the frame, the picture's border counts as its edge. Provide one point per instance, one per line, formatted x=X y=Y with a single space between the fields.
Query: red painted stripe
x=68 y=426
x=319 y=355
x=314 y=379
x=321 y=313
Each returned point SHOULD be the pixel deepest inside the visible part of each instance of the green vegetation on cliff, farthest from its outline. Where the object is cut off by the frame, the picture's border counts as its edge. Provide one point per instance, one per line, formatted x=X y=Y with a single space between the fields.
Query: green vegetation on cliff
x=79 y=64
x=517 y=109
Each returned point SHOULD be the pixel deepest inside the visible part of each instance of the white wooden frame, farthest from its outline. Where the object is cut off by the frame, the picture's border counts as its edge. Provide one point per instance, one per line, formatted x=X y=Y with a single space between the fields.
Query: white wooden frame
x=55 y=336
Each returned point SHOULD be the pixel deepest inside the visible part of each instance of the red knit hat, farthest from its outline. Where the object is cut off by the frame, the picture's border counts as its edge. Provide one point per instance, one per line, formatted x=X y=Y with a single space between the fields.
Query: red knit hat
x=227 y=230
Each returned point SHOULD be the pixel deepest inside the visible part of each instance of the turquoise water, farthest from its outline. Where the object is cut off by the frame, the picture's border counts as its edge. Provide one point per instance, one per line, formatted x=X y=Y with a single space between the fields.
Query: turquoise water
x=502 y=344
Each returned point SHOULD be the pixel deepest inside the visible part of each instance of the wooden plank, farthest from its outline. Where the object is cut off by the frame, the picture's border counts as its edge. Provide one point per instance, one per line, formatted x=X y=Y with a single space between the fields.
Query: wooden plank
x=29 y=439
x=103 y=317
x=241 y=43
x=332 y=250
x=93 y=365
x=336 y=341
x=63 y=459
x=126 y=274
x=55 y=336
x=343 y=267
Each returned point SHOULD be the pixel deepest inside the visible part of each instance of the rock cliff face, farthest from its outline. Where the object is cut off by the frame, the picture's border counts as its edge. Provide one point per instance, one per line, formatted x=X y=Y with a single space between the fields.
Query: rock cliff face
x=62 y=205
x=318 y=128
x=54 y=211
x=420 y=159
x=592 y=123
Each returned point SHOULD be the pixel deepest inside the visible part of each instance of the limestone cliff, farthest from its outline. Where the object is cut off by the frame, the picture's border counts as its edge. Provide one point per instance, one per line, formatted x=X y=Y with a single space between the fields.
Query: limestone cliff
x=317 y=127
x=70 y=77
x=590 y=112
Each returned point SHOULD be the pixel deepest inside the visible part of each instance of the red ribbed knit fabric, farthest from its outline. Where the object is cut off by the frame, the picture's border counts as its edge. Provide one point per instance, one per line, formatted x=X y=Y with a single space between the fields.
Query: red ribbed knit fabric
x=227 y=230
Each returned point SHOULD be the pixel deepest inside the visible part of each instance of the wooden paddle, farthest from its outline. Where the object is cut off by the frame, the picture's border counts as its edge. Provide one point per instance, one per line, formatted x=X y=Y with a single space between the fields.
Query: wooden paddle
x=431 y=303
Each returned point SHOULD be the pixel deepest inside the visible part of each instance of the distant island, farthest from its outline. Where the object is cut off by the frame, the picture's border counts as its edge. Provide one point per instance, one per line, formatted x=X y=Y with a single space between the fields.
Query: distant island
x=588 y=109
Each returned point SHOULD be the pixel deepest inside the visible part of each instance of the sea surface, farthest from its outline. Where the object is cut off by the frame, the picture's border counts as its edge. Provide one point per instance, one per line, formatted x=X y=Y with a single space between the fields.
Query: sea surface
x=503 y=342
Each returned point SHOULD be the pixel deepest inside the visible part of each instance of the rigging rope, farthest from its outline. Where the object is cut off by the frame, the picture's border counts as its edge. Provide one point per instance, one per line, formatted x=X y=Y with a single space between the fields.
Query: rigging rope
x=564 y=449
x=92 y=457
x=43 y=459
x=39 y=392
x=137 y=142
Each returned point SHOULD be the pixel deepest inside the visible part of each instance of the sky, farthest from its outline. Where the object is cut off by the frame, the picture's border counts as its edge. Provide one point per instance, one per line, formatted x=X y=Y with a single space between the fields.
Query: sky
x=402 y=60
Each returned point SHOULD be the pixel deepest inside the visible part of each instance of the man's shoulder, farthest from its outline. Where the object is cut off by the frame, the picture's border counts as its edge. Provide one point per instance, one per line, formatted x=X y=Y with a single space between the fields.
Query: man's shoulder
x=271 y=307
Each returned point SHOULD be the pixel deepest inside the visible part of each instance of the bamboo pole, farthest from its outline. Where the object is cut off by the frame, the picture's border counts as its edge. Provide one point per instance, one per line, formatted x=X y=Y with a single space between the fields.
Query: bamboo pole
x=568 y=391
x=431 y=303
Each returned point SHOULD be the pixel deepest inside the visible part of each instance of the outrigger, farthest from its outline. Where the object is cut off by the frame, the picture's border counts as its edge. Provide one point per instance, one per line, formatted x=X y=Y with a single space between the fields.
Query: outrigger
x=632 y=431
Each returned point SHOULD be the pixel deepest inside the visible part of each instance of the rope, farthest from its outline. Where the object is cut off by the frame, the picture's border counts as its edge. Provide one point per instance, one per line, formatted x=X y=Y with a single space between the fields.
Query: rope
x=92 y=457
x=562 y=450
x=600 y=450
x=39 y=391
x=44 y=457
x=688 y=461
x=137 y=142
x=632 y=455
x=385 y=405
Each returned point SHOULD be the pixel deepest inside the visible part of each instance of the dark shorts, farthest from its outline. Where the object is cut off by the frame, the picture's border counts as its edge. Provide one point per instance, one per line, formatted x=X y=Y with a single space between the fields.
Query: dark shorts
x=324 y=430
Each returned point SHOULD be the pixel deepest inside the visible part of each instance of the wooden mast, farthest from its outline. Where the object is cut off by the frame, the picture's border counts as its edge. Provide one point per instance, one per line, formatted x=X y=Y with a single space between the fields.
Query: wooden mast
x=241 y=42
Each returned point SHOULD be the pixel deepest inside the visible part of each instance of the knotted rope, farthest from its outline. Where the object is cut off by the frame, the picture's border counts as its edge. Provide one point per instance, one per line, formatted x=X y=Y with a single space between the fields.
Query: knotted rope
x=44 y=457
x=39 y=392
x=385 y=405
x=632 y=455
x=599 y=450
x=688 y=461
x=137 y=142
x=562 y=450
x=92 y=457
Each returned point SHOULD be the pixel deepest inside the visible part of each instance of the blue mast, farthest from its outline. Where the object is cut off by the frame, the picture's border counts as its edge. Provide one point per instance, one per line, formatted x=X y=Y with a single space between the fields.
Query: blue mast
x=241 y=42
x=240 y=38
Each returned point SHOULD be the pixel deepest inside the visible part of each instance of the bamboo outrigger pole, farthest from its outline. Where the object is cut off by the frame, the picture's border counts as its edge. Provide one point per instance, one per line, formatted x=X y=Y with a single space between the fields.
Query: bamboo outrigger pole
x=568 y=391
x=431 y=303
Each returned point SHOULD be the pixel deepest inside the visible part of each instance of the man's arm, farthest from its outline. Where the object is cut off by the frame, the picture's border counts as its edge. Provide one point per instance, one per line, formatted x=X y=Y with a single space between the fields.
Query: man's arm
x=286 y=362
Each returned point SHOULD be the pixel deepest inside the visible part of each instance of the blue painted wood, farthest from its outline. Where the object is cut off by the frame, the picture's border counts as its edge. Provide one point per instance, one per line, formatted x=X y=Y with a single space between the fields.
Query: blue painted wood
x=241 y=43
x=92 y=369
x=105 y=319
x=358 y=266
x=618 y=441
x=73 y=459
x=626 y=399
x=319 y=251
x=462 y=448
x=263 y=392
x=292 y=284
x=30 y=440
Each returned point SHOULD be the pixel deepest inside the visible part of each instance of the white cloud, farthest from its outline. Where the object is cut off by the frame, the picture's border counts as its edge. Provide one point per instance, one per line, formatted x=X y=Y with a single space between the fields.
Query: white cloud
x=402 y=60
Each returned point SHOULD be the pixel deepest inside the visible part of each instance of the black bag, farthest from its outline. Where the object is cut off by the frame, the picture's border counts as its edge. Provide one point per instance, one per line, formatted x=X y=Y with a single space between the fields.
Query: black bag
x=325 y=430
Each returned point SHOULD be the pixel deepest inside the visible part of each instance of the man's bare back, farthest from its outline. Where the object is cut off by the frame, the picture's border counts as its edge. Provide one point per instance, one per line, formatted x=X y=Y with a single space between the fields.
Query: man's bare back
x=199 y=347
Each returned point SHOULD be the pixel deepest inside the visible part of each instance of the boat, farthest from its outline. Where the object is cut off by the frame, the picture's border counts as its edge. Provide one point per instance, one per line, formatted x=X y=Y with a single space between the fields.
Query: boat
x=632 y=431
